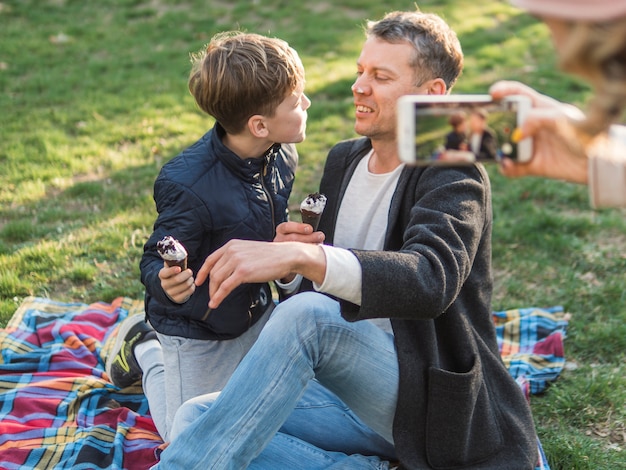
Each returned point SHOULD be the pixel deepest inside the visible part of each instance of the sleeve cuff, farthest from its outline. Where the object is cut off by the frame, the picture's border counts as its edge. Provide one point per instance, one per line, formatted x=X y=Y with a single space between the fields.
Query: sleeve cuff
x=607 y=171
x=290 y=287
x=343 y=275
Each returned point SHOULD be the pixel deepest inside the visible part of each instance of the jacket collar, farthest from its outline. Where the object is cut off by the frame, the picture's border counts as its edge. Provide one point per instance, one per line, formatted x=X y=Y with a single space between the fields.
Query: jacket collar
x=248 y=169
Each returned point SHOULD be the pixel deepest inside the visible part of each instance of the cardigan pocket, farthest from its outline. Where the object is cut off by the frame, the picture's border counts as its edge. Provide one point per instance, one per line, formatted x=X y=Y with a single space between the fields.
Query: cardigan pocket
x=462 y=425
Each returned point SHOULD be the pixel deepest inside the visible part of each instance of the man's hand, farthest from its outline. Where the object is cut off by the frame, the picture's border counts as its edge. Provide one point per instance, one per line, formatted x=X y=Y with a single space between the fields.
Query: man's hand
x=177 y=285
x=241 y=262
x=296 y=232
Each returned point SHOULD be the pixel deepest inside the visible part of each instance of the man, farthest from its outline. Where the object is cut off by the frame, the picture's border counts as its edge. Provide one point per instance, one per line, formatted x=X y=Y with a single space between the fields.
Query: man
x=482 y=140
x=409 y=345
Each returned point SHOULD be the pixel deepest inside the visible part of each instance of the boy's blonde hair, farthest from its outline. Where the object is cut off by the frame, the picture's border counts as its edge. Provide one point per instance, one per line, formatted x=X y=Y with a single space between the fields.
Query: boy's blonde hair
x=241 y=74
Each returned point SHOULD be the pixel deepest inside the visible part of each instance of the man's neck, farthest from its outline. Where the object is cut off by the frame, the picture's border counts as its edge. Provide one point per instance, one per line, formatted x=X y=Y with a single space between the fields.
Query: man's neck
x=385 y=157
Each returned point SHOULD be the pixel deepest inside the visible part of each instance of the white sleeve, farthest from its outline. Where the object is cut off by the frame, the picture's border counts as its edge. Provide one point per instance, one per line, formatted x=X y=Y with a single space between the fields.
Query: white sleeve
x=290 y=287
x=607 y=171
x=343 y=275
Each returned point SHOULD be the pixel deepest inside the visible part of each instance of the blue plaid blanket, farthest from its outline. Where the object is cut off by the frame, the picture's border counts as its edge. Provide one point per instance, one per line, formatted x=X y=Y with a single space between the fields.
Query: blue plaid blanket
x=58 y=409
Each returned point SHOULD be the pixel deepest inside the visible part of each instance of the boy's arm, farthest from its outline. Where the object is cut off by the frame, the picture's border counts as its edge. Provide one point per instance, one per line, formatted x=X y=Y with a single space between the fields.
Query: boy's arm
x=182 y=216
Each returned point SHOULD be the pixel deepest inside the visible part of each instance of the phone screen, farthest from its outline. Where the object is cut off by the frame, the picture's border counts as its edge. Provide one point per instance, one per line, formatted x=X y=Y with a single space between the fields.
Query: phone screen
x=465 y=132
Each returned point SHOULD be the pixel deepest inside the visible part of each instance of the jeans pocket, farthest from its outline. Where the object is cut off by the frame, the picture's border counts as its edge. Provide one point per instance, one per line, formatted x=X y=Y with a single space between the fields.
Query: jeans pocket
x=462 y=425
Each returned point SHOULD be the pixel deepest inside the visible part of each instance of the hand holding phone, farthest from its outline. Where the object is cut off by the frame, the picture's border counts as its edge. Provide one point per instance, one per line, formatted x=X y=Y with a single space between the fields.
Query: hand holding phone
x=461 y=129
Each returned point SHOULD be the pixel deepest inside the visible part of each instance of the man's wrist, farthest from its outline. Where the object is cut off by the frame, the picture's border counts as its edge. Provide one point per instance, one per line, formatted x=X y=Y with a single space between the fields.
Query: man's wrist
x=310 y=261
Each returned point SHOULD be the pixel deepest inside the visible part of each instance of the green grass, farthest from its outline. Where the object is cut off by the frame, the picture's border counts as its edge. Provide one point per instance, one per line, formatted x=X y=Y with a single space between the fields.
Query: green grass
x=93 y=100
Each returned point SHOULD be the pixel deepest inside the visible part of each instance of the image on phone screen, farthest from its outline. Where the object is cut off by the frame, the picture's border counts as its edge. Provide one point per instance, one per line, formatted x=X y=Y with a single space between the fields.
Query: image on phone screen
x=462 y=131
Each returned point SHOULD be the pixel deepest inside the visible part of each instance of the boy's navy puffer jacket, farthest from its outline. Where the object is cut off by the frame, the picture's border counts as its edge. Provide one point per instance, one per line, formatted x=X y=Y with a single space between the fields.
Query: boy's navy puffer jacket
x=205 y=197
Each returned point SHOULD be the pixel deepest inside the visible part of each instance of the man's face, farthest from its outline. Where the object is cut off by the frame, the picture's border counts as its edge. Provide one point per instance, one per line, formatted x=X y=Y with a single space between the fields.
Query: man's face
x=477 y=123
x=383 y=75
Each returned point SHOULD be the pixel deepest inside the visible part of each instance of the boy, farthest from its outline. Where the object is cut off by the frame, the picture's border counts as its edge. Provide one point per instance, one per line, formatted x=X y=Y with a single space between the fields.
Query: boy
x=232 y=183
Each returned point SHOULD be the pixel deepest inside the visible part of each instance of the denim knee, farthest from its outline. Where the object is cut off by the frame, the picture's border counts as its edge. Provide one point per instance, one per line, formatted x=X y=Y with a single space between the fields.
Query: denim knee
x=308 y=305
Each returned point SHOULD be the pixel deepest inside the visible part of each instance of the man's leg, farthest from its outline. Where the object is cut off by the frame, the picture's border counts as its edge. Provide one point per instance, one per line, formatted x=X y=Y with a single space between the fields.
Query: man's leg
x=305 y=337
x=320 y=419
x=286 y=452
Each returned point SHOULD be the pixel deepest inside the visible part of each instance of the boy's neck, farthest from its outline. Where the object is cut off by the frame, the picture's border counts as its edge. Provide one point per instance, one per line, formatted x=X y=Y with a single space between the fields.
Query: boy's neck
x=246 y=146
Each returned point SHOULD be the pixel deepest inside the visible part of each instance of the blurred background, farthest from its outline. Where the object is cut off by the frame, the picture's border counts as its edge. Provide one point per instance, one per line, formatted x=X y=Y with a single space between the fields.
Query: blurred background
x=94 y=100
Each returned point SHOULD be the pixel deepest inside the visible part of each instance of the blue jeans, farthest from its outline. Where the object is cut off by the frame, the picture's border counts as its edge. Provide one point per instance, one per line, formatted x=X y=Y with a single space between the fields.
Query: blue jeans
x=306 y=338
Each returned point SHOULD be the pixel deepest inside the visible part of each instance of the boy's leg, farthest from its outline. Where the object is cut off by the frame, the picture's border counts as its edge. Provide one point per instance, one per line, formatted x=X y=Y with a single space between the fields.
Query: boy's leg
x=136 y=353
x=150 y=358
x=305 y=337
x=196 y=367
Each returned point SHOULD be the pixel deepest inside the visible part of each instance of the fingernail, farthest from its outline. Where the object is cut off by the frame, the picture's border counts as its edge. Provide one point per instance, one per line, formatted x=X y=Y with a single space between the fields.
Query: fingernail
x=517 y=135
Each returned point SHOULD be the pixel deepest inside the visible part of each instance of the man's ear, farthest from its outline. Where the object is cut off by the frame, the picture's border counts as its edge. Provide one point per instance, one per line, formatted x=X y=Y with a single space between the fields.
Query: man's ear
x=437 y=87
x=257 y=126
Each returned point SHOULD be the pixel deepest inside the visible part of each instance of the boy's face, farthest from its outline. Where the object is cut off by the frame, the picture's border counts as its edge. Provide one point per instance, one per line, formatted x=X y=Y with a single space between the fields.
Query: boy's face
x=384 y=74
x=288 y=125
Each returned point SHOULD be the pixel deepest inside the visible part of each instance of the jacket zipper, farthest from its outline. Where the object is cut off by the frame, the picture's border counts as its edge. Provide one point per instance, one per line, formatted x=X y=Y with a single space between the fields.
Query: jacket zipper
x=269 y=196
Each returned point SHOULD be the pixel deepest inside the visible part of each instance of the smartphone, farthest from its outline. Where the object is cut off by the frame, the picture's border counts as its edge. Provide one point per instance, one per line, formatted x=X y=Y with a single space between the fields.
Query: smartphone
x=461 y=129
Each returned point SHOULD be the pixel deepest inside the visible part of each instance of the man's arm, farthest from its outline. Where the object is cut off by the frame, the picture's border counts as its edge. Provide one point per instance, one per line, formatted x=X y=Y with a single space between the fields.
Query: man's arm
x=446 y=249
x=241 y=261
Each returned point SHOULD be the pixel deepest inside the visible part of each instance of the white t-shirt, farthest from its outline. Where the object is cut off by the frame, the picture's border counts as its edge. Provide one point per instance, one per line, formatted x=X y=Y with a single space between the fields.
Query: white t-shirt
x=361 y=224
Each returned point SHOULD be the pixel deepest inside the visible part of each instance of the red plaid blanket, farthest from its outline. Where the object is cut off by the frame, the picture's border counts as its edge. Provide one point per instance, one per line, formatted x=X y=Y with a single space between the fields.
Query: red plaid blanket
x=57 y=406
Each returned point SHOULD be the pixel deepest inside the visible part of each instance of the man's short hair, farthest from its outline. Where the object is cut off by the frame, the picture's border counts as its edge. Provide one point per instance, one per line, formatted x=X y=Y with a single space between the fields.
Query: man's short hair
x=241 y=74
x=438 y=53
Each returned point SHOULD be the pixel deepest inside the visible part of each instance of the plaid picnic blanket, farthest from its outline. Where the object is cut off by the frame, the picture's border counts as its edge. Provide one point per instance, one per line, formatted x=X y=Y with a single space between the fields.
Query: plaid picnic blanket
x=531 y=344
x=58 y=409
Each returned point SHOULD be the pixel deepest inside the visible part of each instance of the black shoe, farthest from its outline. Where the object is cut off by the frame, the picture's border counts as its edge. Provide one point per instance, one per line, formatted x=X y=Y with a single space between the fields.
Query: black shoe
x=121 y=365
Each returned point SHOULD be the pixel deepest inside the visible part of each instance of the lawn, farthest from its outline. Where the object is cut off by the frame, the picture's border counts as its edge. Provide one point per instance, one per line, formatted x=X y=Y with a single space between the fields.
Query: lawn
x=93 y=100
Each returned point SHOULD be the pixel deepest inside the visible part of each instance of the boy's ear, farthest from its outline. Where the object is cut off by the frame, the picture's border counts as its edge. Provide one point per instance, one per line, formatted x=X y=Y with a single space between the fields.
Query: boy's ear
x=257 y=126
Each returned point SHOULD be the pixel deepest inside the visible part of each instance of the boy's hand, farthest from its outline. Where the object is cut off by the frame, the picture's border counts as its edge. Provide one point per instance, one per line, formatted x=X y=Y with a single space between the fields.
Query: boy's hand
x=298 y=232
x=178 y=286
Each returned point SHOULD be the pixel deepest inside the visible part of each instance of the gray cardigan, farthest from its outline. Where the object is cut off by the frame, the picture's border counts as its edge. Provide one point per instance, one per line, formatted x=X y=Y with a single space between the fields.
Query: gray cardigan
x=458 y=407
